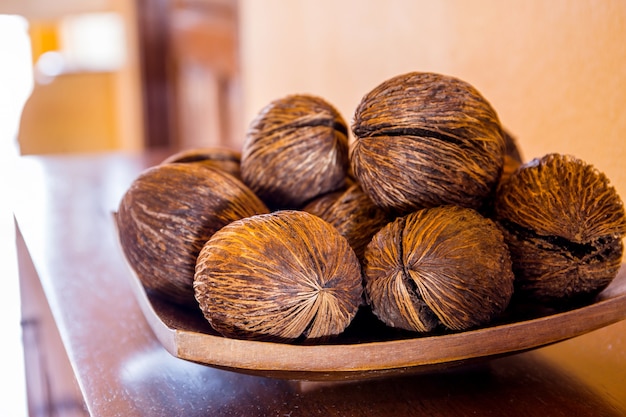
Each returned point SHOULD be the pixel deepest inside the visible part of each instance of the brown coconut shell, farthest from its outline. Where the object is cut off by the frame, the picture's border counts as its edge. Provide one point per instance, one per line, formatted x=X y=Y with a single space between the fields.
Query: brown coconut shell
x=352 y=213
x=167 y=215
x=512 y=156
x=440 y=267
x=425 y=140
x=295 y=150
x=285 y=276
x=564 y=224
x=226 y=159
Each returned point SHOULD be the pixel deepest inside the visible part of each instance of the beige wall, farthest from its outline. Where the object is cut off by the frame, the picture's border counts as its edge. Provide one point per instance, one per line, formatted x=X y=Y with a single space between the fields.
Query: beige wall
x=554 y=70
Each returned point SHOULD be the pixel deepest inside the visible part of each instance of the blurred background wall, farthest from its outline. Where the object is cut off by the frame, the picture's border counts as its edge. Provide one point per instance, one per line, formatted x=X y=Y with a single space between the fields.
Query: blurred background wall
x=555 y=71
x=85 y=95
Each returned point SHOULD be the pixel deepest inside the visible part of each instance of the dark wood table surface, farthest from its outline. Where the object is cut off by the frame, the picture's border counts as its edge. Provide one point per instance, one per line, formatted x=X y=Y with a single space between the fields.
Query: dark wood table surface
x=67 y=245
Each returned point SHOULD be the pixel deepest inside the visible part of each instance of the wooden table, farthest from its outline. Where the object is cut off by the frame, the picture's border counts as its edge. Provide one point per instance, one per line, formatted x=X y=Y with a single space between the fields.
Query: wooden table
x=111 y=364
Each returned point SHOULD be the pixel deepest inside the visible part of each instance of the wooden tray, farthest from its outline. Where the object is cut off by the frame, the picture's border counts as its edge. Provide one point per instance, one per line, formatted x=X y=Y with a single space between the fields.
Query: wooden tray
x=368 y=349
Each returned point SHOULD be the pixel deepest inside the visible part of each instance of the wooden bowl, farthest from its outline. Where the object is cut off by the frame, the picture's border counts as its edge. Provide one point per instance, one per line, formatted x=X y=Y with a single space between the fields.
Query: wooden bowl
x=367 y=349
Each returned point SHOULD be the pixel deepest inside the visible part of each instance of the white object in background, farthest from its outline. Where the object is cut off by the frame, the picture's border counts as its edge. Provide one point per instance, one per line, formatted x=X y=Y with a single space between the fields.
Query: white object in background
x=16 y=85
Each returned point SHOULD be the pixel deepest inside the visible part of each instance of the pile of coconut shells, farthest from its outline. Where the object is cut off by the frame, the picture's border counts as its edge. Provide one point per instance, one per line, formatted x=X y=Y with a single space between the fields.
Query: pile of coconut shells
x=423 y=213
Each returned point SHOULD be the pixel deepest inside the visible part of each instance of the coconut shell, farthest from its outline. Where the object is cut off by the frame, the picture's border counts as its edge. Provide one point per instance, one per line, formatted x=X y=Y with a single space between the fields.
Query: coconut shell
x=295 y=150
x=512 y=157
x=564 y=224
x=285 y=276
x=226 y=159
x=352 y=213
x=167 y=215
x=440 y=267
x=425 y=140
